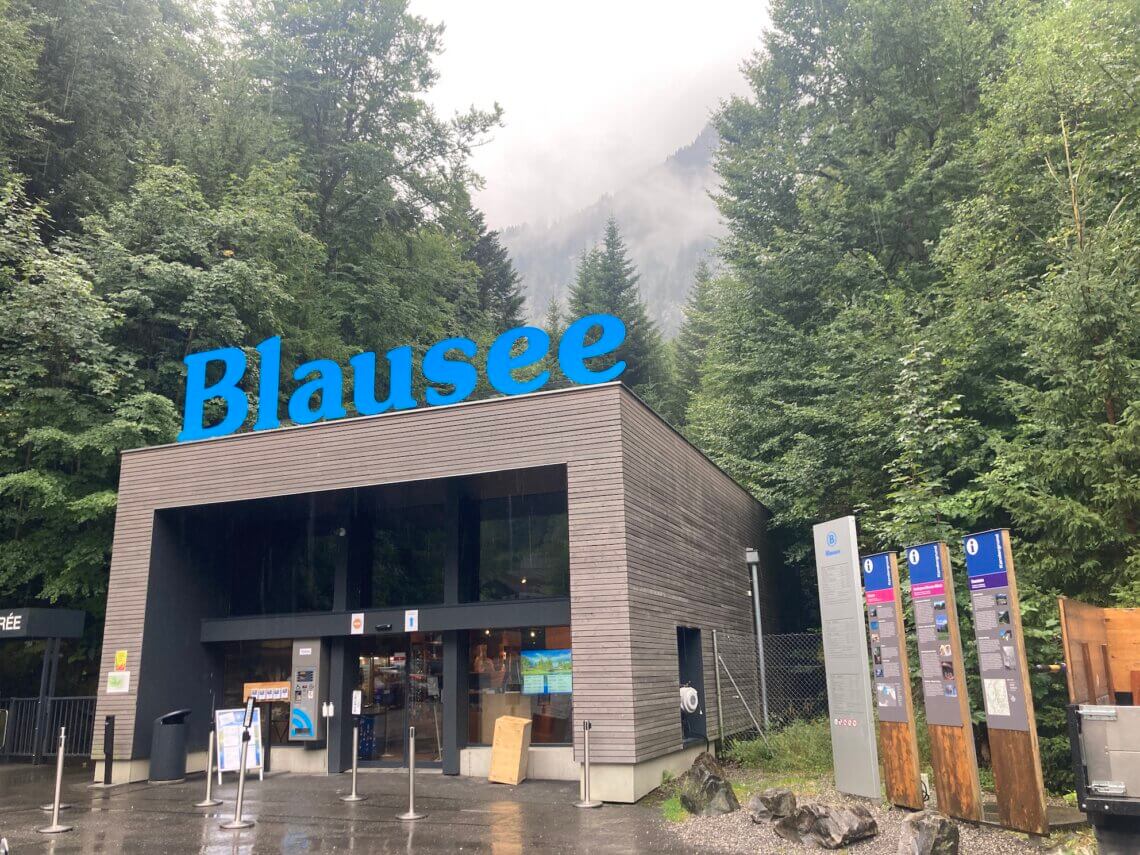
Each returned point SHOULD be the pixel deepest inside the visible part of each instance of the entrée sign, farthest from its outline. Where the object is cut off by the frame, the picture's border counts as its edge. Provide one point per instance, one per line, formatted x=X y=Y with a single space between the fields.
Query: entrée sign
x=446 y=367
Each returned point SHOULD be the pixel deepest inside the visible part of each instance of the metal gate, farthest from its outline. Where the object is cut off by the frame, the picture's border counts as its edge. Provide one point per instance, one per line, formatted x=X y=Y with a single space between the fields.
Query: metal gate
x=19 y=737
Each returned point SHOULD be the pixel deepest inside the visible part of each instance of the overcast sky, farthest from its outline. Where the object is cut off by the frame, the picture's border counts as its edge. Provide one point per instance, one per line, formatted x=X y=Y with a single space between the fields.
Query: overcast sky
x=592 y=91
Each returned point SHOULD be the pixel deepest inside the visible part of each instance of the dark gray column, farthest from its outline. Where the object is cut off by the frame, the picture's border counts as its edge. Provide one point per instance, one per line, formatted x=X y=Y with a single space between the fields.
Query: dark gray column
x=454 y=698
x=39 y=730
x=176 y=670
x=342 y=680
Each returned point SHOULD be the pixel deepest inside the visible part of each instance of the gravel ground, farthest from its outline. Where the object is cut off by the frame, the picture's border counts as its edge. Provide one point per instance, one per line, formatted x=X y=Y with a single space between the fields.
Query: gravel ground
x=736 y=832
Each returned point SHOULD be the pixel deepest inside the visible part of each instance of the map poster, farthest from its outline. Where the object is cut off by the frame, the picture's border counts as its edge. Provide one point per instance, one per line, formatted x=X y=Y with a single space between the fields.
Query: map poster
x=997 y=630
x=885 y=622
x=933 y=613
x=229 y=728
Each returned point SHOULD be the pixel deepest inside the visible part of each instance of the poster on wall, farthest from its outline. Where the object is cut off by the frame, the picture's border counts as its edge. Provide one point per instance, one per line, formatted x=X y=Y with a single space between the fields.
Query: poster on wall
x=229 y=724
x=118 y=682
x=996 y=631
x=854 y=748
x=546 y=672
x=932 y=629
x=885 y=622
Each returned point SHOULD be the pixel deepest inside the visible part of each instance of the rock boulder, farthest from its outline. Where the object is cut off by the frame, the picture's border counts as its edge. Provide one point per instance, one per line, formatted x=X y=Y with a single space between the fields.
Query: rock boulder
x=828 y=826
x=704 y=791
x=772 y=803
x=928 y=833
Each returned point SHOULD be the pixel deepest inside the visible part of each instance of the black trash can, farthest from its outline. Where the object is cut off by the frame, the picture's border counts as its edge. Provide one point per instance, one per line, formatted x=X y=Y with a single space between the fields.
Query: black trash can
x=168 y=748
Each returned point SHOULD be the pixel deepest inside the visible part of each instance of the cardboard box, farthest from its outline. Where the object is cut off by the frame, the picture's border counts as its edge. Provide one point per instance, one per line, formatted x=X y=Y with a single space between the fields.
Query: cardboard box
x=510 y=750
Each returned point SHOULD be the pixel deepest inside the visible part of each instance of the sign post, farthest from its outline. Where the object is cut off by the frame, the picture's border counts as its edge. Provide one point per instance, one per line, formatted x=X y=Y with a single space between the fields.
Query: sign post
x=898 y=743
x=952 y=754
x=1014 y=750
x=240 y=821
x=845 y=659
x=752 y=558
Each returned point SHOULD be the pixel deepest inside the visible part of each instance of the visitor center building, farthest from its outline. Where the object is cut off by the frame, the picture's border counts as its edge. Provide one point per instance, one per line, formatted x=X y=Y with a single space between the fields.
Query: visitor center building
x=562 y=556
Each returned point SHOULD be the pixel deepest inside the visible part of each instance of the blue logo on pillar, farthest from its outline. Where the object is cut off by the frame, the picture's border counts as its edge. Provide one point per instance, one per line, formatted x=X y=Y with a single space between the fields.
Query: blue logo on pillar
x=300 y=723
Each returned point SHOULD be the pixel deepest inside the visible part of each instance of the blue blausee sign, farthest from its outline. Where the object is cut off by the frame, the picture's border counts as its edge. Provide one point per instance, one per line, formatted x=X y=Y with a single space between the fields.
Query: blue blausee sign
x=447 y=367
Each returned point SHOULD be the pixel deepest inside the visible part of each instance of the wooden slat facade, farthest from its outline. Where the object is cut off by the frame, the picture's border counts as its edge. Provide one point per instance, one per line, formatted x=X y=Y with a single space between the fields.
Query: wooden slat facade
x=657 y=534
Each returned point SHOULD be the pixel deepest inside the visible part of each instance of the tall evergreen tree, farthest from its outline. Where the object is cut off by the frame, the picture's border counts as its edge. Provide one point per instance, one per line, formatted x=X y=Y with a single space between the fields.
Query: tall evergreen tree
x=606 y=283
x=347 y=79
x=109 y=76
x=688 y=348
x=18 y=56
x=1068 y=474
x=501 y=295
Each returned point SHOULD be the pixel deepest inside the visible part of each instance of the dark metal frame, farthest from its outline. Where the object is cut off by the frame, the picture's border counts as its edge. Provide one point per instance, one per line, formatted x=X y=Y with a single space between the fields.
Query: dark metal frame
x=1096 y=806
x=502 y=614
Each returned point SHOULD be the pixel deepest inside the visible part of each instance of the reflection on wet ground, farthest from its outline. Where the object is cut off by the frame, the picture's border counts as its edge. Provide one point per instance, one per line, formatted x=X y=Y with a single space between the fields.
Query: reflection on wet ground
x=303 y=814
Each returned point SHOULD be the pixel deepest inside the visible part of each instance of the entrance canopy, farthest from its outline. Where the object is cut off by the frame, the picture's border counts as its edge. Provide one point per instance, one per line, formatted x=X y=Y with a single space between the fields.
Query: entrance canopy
x=40 y=623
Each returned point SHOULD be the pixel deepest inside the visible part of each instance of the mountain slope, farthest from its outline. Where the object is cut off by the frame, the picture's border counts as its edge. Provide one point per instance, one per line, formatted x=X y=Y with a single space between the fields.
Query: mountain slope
x=666 y=217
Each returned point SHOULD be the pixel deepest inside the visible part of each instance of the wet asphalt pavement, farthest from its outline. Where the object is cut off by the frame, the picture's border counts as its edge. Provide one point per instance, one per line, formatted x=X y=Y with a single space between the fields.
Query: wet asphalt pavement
x=303 y=814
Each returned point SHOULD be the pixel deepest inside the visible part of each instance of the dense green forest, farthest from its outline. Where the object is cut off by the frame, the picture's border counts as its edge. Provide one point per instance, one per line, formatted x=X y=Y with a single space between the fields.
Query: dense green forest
x=928 y=312
x=173 y=182
x=925 y=311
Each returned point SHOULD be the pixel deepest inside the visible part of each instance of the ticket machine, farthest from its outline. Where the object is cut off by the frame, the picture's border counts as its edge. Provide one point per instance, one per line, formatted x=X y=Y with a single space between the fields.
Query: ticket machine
x=308 y=690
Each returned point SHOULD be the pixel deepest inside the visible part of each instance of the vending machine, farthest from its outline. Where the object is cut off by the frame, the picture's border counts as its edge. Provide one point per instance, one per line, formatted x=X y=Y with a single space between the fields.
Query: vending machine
x=308 y=691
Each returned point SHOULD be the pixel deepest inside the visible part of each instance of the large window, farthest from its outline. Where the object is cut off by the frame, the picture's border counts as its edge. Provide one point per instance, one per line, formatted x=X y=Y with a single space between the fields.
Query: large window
x=286 y=566
x=524 y=547
x=409 y=546
x=253 y=662
x=521 y=672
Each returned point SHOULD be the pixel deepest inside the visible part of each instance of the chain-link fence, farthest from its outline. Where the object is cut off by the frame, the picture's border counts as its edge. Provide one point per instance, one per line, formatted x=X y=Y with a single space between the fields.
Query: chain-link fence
x=791 y=686
x=739 y=709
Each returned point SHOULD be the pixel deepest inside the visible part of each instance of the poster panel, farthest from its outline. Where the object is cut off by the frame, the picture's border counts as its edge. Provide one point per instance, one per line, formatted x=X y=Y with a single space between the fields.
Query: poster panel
x=953 y=757
x=1014 y=748
x=999 y=644
x=898 y=741
x=845 y=659
x=932 y=617
x=888 y=641
x=229 y=729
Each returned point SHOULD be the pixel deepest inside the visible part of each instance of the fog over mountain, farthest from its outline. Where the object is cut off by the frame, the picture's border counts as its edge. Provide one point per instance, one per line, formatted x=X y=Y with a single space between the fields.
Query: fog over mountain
x=666 y=216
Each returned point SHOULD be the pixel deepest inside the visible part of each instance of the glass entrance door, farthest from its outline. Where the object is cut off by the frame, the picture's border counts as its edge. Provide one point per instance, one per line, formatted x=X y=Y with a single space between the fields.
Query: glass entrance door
x=400 y=677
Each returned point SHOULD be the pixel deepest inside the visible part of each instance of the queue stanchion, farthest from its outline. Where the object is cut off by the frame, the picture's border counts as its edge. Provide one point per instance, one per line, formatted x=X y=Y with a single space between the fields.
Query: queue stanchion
x=357 y=704
x=56 y=827
x=209 y=801
x=410 y=813
x=239 y=821
x=354 y=796
x=56 y=804
x=586 y=801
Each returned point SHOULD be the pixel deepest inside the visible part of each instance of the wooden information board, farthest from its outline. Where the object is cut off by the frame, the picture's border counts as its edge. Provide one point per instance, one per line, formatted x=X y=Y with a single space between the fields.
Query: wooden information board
x=952 y=754
x=1010 y=720
x=898 y=742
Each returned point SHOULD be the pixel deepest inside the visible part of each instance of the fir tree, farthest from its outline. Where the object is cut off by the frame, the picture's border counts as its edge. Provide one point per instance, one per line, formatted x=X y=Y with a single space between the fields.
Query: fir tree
x=1068 y=475
x=501 y=297
x=691 y=342
x=606 y=283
